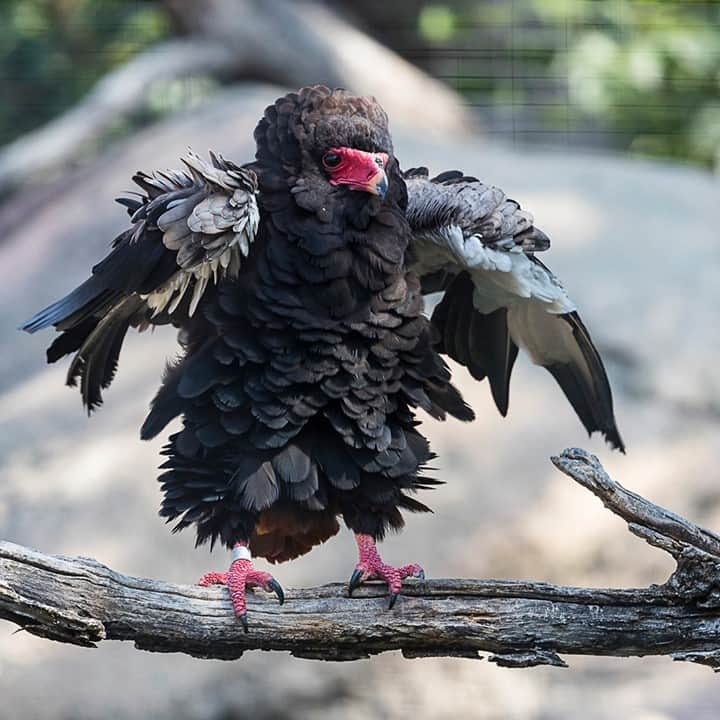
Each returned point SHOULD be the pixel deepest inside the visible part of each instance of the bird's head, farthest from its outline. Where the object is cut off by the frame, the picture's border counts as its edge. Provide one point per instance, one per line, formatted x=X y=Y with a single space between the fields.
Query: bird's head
x=357 y=169
x=328 y=145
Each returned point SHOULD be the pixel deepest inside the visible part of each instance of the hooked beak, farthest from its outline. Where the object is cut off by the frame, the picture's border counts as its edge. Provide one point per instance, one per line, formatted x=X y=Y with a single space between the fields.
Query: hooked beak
x=378 y=185
x=361 y=170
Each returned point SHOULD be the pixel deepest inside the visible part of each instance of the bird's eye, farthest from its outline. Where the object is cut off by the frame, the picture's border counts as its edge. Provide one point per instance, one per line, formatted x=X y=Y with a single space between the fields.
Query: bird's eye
x=331 y=159
x=379 y=161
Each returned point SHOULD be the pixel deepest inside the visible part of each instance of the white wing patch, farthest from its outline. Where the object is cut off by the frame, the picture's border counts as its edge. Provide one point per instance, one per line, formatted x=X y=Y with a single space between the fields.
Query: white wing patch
x=169 y=295
x=546 y=338
x=502 y=277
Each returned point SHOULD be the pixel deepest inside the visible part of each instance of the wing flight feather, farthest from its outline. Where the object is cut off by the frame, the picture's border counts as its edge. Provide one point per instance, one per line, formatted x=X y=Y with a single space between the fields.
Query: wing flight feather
x=478 y=247
x=189 y=228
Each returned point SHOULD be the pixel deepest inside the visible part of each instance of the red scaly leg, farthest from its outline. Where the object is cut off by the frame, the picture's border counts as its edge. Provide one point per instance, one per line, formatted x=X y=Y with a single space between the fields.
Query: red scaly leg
x=242 y=574
x=371 y=566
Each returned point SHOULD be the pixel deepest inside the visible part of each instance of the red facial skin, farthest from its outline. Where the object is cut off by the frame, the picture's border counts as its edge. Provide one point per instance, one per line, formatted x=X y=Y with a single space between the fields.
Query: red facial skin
x=358 y=170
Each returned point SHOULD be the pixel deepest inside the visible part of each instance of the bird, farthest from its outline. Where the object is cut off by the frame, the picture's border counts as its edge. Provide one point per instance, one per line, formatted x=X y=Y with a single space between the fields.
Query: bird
x=298 y=284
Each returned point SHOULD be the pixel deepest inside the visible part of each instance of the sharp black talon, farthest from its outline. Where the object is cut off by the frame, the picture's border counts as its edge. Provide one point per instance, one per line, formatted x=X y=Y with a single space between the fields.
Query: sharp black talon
x=274 y=586
x=355 y=580
x=393 y=600
x=243 y=622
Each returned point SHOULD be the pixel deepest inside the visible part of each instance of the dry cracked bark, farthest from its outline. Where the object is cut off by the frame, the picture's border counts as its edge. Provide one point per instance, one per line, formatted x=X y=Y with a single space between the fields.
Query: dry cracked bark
x=80 y=601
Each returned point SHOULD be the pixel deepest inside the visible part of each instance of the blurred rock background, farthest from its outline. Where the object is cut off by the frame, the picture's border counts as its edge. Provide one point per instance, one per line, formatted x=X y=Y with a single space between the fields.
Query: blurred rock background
x=598 y=116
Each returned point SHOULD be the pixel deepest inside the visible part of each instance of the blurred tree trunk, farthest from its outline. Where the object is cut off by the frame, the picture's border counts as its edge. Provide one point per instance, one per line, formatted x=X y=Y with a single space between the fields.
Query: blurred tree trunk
x=288 y=43
x=305 y=42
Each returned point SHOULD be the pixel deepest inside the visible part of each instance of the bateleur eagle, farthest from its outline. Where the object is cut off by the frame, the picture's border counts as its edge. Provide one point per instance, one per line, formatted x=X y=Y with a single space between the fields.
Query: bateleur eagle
x=297 y=283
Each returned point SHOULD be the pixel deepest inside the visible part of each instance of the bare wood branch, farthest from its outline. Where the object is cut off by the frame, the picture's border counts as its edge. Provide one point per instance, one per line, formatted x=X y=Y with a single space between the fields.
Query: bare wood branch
x=669 y=531
x=291 y=43
x=80 y=601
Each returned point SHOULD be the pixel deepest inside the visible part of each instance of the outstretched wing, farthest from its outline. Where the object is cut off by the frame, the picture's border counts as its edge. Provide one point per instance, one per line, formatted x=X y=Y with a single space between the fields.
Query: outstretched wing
x=478 y=246
x=188 y=229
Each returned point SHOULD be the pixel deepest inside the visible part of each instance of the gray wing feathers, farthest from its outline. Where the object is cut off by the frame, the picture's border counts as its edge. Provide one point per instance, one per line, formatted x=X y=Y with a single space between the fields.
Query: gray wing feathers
x=454 y=200
x=209 y=219
x=189 y=228
x=476 y=245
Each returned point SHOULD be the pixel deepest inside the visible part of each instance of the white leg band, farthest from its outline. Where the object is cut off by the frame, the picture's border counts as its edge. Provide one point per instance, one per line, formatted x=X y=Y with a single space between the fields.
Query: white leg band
x=241 y=552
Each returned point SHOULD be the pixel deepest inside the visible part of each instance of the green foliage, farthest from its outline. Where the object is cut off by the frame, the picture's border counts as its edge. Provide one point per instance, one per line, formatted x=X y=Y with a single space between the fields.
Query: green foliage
x=436 y=23
x=53 y=51
x=640 y=75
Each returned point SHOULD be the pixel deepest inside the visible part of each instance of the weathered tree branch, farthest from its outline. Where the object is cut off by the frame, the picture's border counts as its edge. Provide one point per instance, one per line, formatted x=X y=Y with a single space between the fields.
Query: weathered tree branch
x=78 y=600
x=290 y=43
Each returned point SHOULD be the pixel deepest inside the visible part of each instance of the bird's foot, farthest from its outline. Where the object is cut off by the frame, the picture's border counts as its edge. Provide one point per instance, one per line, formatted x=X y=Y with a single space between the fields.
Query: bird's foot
x=241 y=575
x=371 y=567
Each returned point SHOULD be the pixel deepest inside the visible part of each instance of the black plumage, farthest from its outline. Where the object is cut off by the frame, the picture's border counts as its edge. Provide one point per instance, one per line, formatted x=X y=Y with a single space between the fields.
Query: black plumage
x=305 y=351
